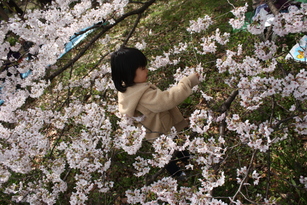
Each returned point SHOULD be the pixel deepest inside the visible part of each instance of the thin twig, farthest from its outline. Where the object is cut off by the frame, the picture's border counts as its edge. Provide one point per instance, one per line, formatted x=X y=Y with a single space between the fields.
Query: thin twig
x=269 y=174
x=136 y=2
x=248 y=170
x=231 y=4
x=253 y=202
x=137 y=21
x=154 y=177
x=282 y=121
x=57 y=141
x=96 y=65
x=273 y=110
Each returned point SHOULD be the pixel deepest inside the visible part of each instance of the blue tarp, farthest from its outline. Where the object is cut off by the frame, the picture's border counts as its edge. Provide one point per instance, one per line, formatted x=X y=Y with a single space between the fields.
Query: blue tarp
x=79 y=36
x=76 y=39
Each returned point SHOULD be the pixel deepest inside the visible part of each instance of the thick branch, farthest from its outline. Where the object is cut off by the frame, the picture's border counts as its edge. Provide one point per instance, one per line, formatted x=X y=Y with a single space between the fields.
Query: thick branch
x=230 y=99
x=226 y=105
x=272 y=7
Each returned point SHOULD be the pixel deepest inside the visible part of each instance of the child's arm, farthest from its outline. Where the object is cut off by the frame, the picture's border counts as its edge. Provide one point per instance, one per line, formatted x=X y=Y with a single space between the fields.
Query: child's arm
x=159 y=101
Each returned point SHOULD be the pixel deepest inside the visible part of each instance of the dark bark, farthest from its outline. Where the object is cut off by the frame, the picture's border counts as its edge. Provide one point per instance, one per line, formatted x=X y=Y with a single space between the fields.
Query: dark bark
x=272 y=7
x=226 y=105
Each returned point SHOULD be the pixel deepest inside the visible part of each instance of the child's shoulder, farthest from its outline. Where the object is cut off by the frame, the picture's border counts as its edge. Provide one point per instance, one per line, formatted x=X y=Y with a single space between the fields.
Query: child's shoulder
x=143 y=86
x=140 y=88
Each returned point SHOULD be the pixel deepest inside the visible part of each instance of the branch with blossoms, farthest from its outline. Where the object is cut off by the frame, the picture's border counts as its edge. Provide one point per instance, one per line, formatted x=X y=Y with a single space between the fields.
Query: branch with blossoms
x=245 y=174
x=226 y=106
x=105 y=29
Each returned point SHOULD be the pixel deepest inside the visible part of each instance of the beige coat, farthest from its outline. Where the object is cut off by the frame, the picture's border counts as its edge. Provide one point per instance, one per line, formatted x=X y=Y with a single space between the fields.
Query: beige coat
x=158 y=107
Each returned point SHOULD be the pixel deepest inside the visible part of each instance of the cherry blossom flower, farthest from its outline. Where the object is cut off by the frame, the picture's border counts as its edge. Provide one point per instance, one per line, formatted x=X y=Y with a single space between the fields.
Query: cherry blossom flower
x=265 y=50
x=141 y=165
x=303 y=180
x=239 y=13
x=200 y=24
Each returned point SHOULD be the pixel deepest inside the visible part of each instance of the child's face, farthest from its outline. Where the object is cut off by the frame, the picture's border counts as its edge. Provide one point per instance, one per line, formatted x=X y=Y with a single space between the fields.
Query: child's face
x=141 y=75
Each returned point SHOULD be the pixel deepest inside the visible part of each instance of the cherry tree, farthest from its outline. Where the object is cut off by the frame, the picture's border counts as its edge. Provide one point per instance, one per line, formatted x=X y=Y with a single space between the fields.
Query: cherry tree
x=61 y=130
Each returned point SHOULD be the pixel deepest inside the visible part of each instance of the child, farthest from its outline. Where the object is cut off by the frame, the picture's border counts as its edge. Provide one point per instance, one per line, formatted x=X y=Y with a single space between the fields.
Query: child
x=137 y=97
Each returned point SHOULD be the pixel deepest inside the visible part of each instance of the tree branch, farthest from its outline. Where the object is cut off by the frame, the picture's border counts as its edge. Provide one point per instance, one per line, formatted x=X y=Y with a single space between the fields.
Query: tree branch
x=230 y=99
x=226 y=105
x=282 y=121
x=97 y=36
x=246 y=176
x=267 y=190
x=272 y=7
x=133 y=29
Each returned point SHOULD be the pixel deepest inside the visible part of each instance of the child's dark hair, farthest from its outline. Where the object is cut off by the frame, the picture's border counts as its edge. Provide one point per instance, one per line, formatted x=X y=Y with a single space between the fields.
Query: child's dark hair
x=124 y=63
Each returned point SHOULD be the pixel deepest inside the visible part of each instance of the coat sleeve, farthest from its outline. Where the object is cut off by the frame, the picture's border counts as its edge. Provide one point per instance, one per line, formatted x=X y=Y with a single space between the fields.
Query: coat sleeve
x=160 y=101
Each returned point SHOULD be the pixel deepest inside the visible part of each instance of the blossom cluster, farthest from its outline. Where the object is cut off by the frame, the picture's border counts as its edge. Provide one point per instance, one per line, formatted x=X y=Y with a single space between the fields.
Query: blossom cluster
x=209 y=43
x=291 y=22
x=197 y=121
x=81 y=154
x=49 y=36
x=265 y=50
x=243 y=172
x=131 y=137
x=141 y=166
x=303 y=180
x=167 y=57
x=207 y=152
x=167 y=190
x=180 y=73
x=239 y=13
x=41 y=134
x=164 y=148
x=255 y=136
x=282 y=24
x=200 y=25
